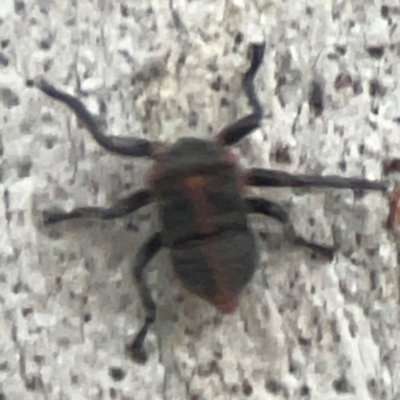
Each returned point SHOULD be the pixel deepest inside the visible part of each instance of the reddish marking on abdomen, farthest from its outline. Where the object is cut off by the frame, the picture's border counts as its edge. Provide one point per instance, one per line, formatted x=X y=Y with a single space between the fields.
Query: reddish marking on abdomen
x=204 y=212
x=225 y=300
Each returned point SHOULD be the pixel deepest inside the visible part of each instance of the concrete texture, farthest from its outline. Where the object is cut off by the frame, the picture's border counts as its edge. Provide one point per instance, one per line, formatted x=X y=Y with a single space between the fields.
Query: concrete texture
x=306 y=329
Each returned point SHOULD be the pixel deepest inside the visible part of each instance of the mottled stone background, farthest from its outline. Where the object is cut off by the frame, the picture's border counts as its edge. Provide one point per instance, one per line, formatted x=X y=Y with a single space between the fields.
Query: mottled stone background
x=306 y=329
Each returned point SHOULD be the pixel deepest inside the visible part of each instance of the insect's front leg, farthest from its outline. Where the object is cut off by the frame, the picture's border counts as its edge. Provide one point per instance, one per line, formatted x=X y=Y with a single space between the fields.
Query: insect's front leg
x=271 y=209
x=123 y=145
x=122 y=207
x=238 y=130
x=144 y=256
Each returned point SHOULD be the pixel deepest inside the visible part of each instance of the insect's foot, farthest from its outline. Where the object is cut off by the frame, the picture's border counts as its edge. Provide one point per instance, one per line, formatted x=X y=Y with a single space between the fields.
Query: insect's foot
x=324 y=252
x=137 y=353
x=258 y=53
x=256 y=56
x=36 y=82
x=51 y=217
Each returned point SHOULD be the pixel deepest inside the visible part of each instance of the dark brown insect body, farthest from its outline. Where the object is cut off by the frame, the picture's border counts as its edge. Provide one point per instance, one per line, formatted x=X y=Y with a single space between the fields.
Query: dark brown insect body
x=204 y=220
x=198 y=188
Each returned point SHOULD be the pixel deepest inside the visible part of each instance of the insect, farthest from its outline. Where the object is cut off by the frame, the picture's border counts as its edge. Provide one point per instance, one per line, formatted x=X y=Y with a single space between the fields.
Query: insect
x=199 y=188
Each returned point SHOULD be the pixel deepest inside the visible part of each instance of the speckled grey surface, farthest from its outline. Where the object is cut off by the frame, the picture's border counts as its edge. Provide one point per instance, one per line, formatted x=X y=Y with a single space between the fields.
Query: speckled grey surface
x=306 y=329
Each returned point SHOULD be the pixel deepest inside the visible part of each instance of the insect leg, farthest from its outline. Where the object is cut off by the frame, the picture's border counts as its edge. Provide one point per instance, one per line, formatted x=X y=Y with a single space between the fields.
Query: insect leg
x=271 y=209
x=123 y=145
x=144 y=256
x=273 y=178
x=122 y=207
x=238 y=130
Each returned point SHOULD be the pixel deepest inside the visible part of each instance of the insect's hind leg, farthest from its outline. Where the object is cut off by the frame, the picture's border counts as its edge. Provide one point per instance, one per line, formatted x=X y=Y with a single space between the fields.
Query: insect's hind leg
x=122 y=207
x=238 y=130
x=144 y=256
x=271 y=209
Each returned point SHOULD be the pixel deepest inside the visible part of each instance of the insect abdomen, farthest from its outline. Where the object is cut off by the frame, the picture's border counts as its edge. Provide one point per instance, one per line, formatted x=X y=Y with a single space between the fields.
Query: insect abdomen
x=212 y=249
x=217 y=268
